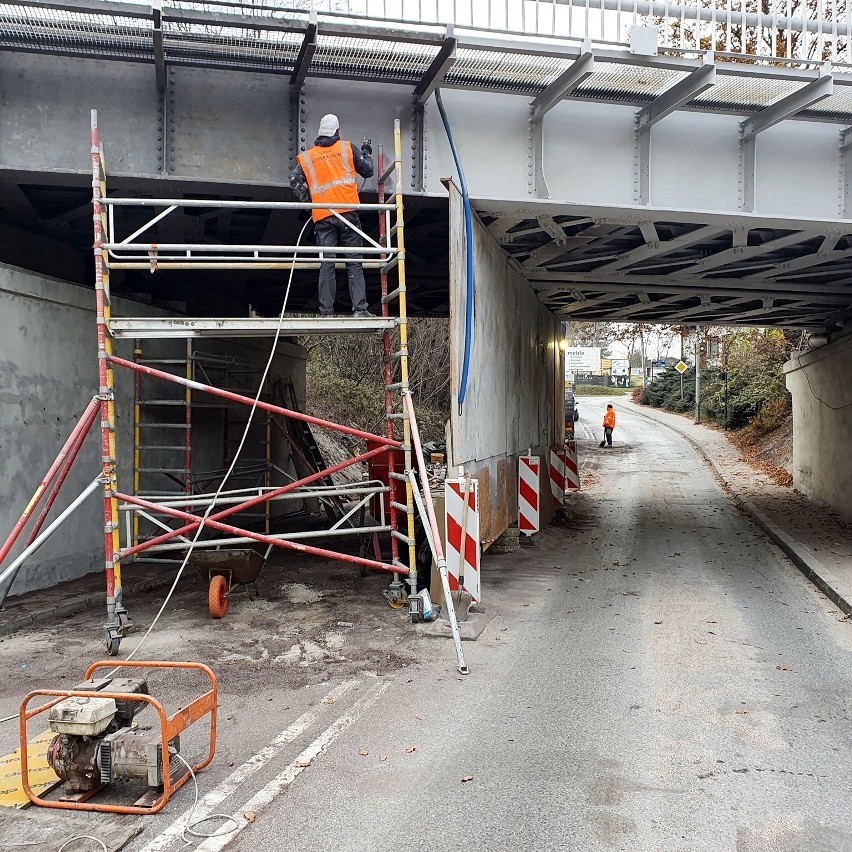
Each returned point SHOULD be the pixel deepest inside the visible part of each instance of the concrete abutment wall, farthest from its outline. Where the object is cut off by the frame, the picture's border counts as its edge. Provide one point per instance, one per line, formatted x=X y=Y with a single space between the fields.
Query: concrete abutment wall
x=48 y=374
x=820 y=382
x=515 y=389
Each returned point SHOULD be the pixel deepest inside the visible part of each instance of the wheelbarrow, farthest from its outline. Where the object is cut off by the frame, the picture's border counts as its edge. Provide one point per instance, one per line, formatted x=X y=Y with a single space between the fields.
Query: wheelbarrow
x=225 y=569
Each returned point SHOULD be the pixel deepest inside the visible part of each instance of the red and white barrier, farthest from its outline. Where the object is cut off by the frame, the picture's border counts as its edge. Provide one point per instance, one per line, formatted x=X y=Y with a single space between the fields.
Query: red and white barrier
x=558 y=474
x=572 y=468
x=463 y=561
x=528 y=491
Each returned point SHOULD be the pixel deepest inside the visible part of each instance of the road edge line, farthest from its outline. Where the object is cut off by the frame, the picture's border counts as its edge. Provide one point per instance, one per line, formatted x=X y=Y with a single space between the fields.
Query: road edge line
x=228 y=786
x=268 y=793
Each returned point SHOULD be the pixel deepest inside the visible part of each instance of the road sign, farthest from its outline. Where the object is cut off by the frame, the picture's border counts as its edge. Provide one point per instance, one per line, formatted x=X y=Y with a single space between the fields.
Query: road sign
x=681 y=367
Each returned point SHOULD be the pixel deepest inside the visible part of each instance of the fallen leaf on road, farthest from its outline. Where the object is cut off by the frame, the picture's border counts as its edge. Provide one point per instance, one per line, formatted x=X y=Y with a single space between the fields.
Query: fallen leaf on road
x=711 y=632
x=382 y=758
x=783 y=668
x=467 y=778
x=411 y=750
x=658 y=622
x=249 y=815
x=363 y=752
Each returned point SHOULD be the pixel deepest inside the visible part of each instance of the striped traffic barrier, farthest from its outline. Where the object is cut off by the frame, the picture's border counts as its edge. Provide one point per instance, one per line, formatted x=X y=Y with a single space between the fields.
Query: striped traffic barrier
x=461 y=502
x=558 y=474
x=572 y=467
x=528 y=491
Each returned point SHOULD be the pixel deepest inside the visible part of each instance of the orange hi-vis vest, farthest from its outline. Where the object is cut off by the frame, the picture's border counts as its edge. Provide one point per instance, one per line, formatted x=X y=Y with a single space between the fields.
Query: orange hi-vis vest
x=609 y=419
x=331 y=176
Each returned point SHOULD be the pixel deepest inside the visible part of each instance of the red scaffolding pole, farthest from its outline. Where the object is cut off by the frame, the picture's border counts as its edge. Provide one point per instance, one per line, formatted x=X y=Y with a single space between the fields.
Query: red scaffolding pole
x=250 y=503
x=260 y=537
x=66 y=455
x=263 y=406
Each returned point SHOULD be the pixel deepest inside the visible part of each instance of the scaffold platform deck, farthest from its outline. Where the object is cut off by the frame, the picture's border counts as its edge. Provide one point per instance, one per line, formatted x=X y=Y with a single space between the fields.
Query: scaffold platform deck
x=220 y=327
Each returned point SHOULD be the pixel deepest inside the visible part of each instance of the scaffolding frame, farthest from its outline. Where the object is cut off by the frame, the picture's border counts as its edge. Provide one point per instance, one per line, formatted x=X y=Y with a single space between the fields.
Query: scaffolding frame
x=385 y=255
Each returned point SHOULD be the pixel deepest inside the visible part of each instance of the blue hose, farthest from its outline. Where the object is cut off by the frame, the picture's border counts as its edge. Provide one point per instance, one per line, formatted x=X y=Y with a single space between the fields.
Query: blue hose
x=468 y=238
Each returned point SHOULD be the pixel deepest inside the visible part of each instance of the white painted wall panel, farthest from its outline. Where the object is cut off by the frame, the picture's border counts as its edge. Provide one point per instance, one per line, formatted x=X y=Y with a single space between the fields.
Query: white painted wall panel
x=682 y=146
x=491 y=133
x=798 y=170
x=588 y=152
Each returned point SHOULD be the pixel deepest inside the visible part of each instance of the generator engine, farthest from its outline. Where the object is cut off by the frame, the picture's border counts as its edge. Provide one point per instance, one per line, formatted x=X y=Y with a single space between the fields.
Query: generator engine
x=97 y=742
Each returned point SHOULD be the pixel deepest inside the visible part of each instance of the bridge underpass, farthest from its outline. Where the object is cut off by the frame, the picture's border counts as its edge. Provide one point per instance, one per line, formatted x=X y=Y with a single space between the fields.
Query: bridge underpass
x=625 y=179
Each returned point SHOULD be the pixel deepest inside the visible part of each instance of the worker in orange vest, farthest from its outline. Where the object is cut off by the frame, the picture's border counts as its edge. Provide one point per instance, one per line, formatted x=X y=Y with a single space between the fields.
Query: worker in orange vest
x=328 y=172
x=608 y=425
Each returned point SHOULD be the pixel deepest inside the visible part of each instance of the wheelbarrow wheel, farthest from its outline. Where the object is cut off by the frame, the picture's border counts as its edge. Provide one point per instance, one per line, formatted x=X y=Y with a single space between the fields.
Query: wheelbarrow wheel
x=217 y=596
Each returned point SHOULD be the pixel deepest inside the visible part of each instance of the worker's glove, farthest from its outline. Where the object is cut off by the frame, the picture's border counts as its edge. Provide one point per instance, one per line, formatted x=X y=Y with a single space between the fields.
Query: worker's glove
x=367 y=149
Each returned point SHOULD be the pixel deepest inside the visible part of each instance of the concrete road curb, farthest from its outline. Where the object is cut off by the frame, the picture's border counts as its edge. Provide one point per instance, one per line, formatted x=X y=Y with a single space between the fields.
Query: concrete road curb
x=12 y=621
x=832 y=587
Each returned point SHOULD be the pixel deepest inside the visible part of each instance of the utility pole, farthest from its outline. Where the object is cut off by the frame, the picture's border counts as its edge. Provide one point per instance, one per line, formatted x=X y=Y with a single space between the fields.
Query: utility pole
x=697 y=375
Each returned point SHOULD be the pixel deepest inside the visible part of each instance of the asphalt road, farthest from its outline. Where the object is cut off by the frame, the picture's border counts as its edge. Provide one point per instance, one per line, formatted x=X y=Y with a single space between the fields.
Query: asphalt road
x=657 y=678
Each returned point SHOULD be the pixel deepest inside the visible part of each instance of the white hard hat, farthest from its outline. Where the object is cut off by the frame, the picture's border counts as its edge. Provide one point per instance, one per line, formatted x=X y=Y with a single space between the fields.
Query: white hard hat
x=329 y=125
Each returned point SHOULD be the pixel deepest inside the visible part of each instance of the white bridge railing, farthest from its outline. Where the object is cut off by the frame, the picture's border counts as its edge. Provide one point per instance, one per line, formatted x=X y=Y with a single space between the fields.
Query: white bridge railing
x=798 y=31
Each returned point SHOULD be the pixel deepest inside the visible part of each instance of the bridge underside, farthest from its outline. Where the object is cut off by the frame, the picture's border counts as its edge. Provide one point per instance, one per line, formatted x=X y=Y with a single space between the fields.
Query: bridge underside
x=586 y=263
x=626 y=185
x=666 y=266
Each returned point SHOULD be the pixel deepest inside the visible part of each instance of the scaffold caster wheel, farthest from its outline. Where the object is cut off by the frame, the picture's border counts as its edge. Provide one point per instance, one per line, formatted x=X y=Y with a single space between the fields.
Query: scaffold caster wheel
x=217 y=596
x=112 y=641
x=396 y=596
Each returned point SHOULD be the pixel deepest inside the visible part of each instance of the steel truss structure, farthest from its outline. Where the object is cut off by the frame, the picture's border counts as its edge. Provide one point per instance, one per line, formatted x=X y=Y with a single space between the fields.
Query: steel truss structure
x=187 y=509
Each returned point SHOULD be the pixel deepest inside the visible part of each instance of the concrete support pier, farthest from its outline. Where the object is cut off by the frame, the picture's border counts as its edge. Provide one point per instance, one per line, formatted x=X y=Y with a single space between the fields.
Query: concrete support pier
x=820 y=381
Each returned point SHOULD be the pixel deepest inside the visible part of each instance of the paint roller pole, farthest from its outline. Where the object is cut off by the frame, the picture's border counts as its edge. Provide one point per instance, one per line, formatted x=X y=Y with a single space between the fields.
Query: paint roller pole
x=427 y=511
x=435 y=546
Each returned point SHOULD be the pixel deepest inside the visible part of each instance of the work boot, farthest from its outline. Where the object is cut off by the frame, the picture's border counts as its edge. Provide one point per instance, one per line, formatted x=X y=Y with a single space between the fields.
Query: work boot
x=365 y=314
x=602 y=444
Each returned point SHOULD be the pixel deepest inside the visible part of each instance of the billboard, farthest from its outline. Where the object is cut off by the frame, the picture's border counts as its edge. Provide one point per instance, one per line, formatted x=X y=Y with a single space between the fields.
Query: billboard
x=583 y=359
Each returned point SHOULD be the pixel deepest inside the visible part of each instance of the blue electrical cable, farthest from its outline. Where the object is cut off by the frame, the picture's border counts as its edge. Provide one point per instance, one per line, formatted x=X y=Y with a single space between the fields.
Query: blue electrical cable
x=468 y=237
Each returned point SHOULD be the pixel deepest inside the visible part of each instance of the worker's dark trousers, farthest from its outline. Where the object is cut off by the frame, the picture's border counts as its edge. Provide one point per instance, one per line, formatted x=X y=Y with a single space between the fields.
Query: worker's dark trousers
x=608 y=435
x=332 y=232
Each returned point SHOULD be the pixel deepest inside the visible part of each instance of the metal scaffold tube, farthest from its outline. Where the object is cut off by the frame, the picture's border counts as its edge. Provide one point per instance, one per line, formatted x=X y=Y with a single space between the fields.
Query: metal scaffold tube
x=403 y=361
x=116 y=621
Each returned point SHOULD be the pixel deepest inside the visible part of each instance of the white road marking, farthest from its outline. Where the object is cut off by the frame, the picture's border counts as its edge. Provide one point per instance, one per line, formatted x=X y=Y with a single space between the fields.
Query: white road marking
x=211 y=800
x=267 y=794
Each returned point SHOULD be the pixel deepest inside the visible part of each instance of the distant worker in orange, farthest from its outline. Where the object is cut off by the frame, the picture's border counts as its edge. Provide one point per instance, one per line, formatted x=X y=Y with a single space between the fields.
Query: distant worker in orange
x=608 y=426
x=328 y=172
